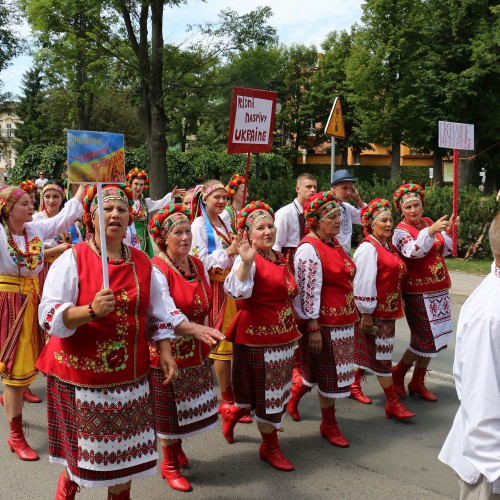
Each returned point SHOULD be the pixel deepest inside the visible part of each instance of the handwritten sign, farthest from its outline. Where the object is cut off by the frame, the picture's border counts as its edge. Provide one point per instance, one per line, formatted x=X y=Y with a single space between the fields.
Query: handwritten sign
x=95 y=157
x=251 y=123
x=456 y=135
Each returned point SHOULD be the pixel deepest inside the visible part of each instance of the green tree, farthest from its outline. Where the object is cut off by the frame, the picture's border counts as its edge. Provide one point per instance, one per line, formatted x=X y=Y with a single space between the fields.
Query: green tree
x=10 y=41
x=381 y=72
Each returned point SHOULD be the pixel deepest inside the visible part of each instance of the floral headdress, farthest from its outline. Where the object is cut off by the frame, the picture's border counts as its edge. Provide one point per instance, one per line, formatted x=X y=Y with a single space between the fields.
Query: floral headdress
x=233 y=184
x=317 y=207
x=372 y=212
x=251 y=213
x=137 y=173
x=8 y=198
x=165 y=220
x=109 y=192
x=27 y=186
x=406 y=193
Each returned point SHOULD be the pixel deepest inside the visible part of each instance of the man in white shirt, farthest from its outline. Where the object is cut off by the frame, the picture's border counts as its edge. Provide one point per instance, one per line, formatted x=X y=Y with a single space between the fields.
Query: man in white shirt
x=343 y=188
x=289 y=220
x=472 y=448
x=40 y=184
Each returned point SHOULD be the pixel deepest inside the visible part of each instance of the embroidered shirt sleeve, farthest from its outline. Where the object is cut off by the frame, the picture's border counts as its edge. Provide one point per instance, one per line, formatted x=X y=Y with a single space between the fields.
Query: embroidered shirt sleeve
x=411 y=248
x=236 y=288
x=309 y=276
x=59 y=295
x=365 y=280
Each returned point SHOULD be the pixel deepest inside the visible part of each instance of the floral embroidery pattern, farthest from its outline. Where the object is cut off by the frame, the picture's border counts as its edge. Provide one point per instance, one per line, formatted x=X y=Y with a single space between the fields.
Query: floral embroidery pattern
x=286 y=320
x=63 y=238
x=112 y=354
x=306 y=278
x=49 y=317
x=195 y=251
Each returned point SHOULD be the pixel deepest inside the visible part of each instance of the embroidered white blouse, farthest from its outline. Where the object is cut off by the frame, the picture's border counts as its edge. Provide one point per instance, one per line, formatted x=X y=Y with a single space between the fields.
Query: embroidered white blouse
x=65 y=292
x=218 y=259
x=365 y=280
x=472 y=447
x=44 y=229
x=350 y=215
x=236 y=288
x=309 y=276
x=418 y=248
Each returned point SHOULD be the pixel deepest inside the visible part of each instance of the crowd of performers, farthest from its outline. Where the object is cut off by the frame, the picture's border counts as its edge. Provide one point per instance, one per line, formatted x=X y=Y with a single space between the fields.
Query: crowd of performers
x=271 y=304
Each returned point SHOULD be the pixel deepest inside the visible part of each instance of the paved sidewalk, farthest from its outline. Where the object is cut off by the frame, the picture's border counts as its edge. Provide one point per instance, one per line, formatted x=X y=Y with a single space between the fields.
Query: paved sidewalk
x=463 y=284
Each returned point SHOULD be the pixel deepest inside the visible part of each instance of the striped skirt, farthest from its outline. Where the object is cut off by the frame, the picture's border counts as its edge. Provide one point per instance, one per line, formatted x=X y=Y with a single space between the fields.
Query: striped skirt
x=332 y=370
x=262 y=380
x=103 y=436
x=186 y=407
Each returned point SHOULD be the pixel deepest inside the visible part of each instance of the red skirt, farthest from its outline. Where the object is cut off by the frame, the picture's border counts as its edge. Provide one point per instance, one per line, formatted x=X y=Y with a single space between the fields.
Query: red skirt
x=120 y=438
x=368 y=348
x=187 y=407
x=262 y=379
x=321 y=369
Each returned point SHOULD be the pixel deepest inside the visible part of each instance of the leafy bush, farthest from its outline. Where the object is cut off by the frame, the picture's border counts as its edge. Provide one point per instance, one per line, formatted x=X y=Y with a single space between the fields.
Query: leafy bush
x=50 y=159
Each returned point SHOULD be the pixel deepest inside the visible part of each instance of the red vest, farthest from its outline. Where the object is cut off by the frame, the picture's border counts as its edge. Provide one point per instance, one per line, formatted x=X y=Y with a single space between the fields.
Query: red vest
x=337 y=307
x=194 y=299
x=110 y=350
x=428 y=274
x=267 y=317
x=391 y=271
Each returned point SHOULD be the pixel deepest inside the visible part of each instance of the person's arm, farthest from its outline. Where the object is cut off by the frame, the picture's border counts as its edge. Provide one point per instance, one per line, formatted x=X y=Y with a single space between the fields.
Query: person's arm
x=365 y=284
x=309 y=276
x=410 y=247
x=357 y=198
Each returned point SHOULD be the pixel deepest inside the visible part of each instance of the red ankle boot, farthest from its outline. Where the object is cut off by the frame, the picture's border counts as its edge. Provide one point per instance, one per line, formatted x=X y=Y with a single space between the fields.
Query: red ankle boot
x=356 y=392
x=394 y=407
x=417 y=386
x=30 y=397
x=293 y=405
x=66 y=488
x=123 y=495
x=17 y=441
x=230 y=417
x=398 y=377
x=329 y=428
x=228 y=399
x=170 y=469
x=181 y=456
x=270 y=452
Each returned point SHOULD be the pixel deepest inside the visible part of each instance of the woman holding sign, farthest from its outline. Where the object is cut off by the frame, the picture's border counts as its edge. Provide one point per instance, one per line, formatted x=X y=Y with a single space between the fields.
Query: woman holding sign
x=137 y=234
x=423 y=244
x=100 y=408
x=21 y=260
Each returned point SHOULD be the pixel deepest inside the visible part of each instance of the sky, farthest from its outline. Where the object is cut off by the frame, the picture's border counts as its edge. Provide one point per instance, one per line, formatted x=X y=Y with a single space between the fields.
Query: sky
x=297 y=21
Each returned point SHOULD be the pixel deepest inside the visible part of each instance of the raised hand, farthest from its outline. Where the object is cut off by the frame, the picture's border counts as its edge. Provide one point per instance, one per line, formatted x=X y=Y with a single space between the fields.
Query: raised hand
x=245 y=249
x=442 y=224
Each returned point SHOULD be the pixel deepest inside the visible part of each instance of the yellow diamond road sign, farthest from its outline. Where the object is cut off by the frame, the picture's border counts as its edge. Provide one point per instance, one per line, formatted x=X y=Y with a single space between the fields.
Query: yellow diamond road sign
x=335 y=124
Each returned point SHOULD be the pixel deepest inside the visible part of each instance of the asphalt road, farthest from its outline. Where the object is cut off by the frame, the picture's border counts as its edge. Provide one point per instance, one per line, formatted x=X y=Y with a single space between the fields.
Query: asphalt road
x=386 y=459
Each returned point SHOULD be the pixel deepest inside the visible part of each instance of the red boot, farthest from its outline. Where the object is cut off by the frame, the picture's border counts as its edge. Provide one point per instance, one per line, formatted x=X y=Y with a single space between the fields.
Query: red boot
x=17 y=441
x=66 y=489
x=398 y=377
x=181 y=456
x=170 y=469
x=293 y=405
x=30 y=397
x=270 y=452
x=416 y=385
x=329 y=428
x=228 y=399
x=394 y=407
x=356 y=392
x=123 y=495
x=296 y=373
x=231 y=415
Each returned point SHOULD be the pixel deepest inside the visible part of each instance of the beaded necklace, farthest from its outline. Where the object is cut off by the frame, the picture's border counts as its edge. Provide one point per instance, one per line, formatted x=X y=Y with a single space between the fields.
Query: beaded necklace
x=220 y=234
x=125 y=252
x=422 y=224
x=385 y=243
x=12 y=243
x=192 y=269
x=276 y=261
x=330 y=243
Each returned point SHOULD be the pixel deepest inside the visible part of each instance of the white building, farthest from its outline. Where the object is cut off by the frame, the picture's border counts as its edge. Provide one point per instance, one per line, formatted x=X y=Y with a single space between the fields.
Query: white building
x=8 y=122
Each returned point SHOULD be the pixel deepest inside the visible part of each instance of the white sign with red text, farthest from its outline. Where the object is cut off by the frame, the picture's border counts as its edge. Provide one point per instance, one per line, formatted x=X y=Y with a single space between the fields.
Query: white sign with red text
x=456 y=135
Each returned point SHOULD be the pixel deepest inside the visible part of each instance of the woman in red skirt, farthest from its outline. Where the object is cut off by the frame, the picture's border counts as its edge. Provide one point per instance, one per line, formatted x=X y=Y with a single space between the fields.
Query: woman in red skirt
x=263 y=332
x=423 y=244
x=325 y=304
x=377 y=292
x=188 y=406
